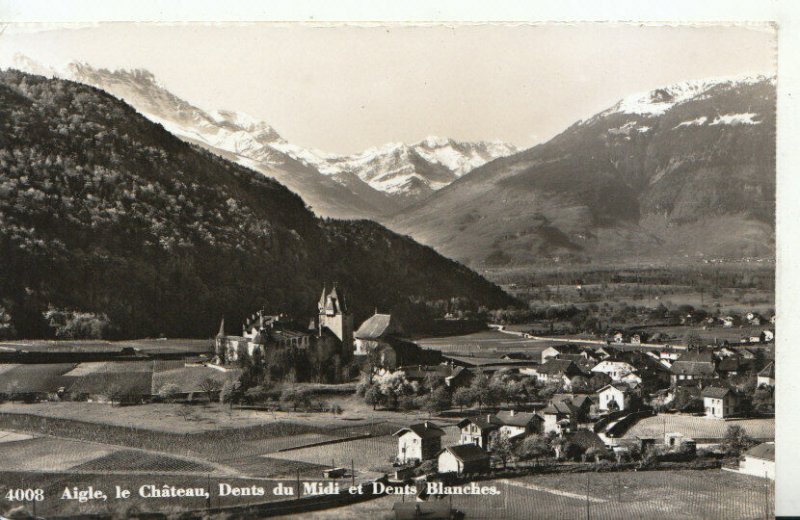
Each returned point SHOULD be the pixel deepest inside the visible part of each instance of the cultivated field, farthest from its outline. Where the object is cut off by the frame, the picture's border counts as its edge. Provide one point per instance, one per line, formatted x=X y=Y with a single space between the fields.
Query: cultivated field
x=197 y=346
x=48 y=454
x=668 y=495
x=487 y=343
x=371 y=454
x=700 y=427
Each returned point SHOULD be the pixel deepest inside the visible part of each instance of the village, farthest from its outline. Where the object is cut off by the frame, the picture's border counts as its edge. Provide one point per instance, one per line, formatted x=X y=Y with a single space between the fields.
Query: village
x=505 y=404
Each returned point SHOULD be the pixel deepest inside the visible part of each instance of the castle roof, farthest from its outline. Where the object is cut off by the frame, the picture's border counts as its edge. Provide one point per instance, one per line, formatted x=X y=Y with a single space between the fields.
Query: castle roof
x=379 y=326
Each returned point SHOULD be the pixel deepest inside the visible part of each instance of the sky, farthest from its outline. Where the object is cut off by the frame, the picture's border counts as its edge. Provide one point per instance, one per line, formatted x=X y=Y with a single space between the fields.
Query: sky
x=345 y=88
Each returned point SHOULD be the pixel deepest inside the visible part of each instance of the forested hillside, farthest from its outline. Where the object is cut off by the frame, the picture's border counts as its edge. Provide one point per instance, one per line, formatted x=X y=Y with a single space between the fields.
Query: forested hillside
x=104 y=211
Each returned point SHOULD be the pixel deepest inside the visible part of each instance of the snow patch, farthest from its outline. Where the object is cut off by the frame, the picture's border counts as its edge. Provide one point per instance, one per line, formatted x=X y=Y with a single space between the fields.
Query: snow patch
x=736 y=119
x=694 y=122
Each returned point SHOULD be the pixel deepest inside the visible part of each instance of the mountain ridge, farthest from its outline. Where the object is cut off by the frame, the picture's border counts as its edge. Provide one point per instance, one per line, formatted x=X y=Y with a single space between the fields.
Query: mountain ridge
x=104 y=211
x=373 y=183
x=660 y=175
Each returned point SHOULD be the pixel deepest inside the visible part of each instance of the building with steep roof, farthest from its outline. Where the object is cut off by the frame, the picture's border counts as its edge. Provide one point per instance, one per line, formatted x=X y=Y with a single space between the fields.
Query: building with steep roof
x=334 y=316
x=720 y=402
x=418 y=442
x=476 y=430
x=331 y=336
x=759 y=461
x=766 y=377
x=694 y=365
x=519 y=424
x=466 y=458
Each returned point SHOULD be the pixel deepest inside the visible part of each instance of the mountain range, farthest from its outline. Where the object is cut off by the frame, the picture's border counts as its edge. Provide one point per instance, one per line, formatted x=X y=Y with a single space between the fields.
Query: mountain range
x=104 y=211
x=684 y=171
x=372 y=184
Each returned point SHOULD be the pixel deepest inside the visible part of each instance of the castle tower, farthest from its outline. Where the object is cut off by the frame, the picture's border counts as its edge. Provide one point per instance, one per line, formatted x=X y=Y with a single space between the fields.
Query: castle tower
x=334 y=316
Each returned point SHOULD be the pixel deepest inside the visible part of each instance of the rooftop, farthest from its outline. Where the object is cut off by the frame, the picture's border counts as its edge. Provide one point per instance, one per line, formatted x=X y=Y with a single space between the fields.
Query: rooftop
x=467 y=452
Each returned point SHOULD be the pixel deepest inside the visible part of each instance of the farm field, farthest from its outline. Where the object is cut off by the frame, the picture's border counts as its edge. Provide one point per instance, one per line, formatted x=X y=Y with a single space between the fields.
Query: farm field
x=487 y=343
x=700 y=427
x=371 y=454
x=197 y=346
x=712 y=494
x=49 y=454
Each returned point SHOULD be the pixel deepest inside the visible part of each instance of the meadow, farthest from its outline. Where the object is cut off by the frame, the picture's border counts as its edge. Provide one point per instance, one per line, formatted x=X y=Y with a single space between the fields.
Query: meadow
x=699 y=427
x=668 y=495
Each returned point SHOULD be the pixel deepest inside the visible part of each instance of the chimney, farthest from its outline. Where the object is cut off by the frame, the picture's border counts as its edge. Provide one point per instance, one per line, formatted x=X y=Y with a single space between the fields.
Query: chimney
x=512 y=413
x=426 y=425
x=488 y=417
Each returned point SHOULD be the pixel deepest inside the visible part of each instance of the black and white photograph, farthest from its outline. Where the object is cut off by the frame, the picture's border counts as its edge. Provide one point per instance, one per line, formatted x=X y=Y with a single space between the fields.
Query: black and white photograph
x=389 y=270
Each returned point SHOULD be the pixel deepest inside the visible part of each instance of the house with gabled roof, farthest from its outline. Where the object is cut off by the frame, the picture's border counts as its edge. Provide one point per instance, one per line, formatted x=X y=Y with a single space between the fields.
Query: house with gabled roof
x=616 y=369
x=766 y=377
x=557 y=371
x=557 y=351
x=695 y=366
x=720 y=402
x=476 y=430
x=564 y=412
x=759 y=461
x=465 y=458
x=519 y=424
x=616 y=397
x=418 y=442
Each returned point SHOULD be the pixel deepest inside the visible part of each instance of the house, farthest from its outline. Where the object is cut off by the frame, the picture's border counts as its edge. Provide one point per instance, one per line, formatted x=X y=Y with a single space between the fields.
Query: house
x=759 y=461
x=375 y=331
x=605 y=352
x=418 y=442
x=519 y=424
x=767 y=336
x=766 y=377
x=719 y=402
x=677 y=440
x=465 y=458
x=381 y=335
x=728 y=366
x=615 y=397
x=565 y=412
x=557 y=371
x=727 y=321
x=694 y=365
x=458 y=378
x=561 y=350
x=614 y=369
x=476 y=430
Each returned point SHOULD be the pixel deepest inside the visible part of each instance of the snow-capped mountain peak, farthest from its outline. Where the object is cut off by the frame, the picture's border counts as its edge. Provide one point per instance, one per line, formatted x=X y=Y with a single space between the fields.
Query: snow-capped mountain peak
x=405 y=172
x=658 y=101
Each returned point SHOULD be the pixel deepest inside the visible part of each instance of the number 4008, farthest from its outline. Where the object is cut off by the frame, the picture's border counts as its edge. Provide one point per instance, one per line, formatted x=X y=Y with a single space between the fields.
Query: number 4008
x=21 y=495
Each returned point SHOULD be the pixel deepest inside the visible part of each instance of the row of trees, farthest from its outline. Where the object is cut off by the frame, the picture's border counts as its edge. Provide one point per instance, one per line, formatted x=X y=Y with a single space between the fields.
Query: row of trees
x=392 y=390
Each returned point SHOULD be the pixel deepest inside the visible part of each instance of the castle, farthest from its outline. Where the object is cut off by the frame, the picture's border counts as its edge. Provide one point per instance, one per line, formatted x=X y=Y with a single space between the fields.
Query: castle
x=331 y=333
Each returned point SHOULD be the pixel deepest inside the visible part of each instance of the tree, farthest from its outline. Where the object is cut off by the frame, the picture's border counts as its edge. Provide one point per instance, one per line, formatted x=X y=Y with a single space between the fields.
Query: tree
x=169 y=392
x=296 y=397
x=209 y=386
x=464 y=396
x=436 y=401
x=737 y=440
x=373 y=396
x=229 y=392
x=533 y=447
x=501 y=445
